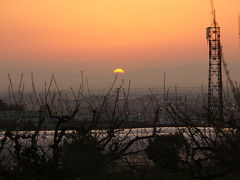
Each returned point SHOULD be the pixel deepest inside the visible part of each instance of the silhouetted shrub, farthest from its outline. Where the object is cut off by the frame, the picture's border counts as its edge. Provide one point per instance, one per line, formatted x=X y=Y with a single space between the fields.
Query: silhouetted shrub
x=226 y=152
x=164 y=150
x=83 y=156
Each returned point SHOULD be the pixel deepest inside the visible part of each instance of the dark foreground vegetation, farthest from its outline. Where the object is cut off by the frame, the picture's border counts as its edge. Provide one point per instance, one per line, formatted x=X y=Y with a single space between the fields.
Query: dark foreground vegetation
x=211 y=152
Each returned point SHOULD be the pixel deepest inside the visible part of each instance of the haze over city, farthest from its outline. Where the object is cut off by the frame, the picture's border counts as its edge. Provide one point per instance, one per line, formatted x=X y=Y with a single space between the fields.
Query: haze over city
x=144 y=38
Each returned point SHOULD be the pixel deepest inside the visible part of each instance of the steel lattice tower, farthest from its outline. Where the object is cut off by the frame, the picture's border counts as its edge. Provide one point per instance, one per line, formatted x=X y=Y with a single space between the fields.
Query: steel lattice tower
x=215 y=99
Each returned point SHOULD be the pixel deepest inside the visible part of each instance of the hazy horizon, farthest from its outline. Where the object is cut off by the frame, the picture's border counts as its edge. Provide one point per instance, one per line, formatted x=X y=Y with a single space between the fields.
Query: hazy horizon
x=145 y=38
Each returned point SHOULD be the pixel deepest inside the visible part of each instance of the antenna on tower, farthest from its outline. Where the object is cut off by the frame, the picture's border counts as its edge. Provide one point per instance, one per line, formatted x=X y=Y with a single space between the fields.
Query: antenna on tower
x=215 y=24
x=214 y=18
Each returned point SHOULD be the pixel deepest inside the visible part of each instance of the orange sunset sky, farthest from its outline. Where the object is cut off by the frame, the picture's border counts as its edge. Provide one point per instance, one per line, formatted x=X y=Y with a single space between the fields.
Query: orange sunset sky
x=144 y=37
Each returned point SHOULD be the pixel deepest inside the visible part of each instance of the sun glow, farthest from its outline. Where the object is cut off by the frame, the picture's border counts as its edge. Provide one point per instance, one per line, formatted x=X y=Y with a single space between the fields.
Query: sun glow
x=119 y=71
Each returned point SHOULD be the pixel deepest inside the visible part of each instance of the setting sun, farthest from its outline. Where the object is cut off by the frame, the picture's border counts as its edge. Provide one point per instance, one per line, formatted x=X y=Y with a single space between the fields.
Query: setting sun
x=120 y=71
